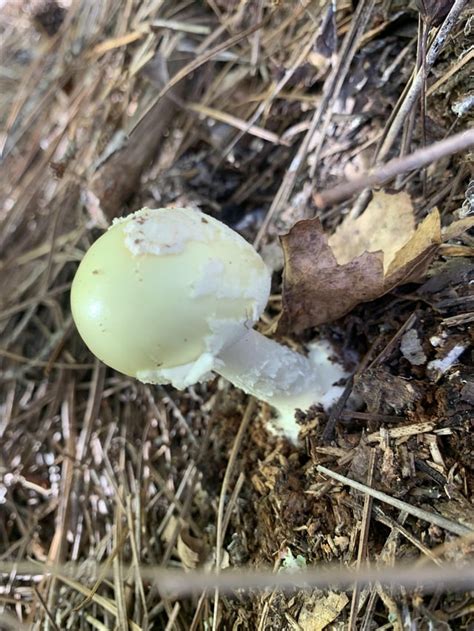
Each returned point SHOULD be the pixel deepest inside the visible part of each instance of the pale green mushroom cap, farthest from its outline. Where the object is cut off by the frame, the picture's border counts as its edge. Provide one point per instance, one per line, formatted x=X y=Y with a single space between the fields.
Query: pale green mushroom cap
x=163 y=291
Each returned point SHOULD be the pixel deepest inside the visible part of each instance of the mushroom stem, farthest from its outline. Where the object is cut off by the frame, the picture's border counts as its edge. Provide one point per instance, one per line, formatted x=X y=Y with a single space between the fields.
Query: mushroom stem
x=283 y=378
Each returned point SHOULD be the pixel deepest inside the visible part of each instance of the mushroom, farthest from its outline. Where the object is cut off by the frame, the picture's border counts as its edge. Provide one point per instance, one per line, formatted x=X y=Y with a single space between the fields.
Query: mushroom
x=171 y=295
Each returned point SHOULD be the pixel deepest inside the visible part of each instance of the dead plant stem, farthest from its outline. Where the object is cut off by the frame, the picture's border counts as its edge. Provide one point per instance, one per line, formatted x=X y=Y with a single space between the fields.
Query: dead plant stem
x=417 y=83
x=220 y=531
x=382 y=174
x=332 y=86
x=433 y=518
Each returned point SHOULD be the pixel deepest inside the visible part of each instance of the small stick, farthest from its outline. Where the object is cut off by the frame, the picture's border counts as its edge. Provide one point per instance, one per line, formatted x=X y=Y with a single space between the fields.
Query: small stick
x=331 y=90
x=363 y=539
x=379 y=175
x=417 y=83
x=220 y=530
x=336 y=412
x=433 y=518
x=180 y=583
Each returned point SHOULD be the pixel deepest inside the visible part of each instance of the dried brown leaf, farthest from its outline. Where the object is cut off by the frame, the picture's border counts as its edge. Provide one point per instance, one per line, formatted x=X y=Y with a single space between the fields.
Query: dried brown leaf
x=189 y=549
x=316 y=289
x=412 y=261
x=387 y=225
x=324 y=278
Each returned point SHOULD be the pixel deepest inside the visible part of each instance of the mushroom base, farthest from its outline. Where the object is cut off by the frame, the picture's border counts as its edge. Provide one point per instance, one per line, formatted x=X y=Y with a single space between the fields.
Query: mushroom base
x=283 y=378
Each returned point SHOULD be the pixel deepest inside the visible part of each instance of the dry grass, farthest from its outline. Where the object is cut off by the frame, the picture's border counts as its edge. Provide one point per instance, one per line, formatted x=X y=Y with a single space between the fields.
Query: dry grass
x=248 y=110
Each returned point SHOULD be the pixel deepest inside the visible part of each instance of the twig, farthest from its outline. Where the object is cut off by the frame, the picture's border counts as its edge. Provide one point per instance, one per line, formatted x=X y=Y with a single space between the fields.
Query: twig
x=398 y=527
x=119 y=536
x=388 y=348
x=363 y=539
x=224 y=489
x=338 y=408
x=381 y=174
x=350 y=47
x=197 y=613
x=416 y=86
x=181 y=583
x=172 y=619
x=454 y=69
x=332 y=87
x=433 y=518
x=45 y=609
x=301 y=58
x=336 y=412
x=202 y=59
x=255 y=51
x=117 y=179
x=231 y=502
x=134 y=534
x=238 y=123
